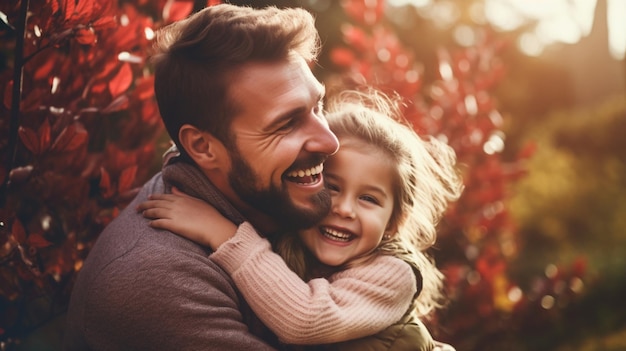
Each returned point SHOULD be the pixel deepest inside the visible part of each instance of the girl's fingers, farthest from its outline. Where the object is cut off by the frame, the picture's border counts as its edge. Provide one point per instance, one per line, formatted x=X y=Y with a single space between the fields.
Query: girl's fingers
x=159 y=224
x=176 y=191
x=164 y=197
x=156 y=213
x=158 y=202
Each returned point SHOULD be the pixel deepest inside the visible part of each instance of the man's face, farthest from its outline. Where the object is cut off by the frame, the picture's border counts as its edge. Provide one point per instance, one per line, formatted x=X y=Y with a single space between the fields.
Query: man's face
x=281 y=141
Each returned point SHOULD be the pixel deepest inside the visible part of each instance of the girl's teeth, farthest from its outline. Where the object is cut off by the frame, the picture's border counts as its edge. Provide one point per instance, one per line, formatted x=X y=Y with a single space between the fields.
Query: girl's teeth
x=335 y=235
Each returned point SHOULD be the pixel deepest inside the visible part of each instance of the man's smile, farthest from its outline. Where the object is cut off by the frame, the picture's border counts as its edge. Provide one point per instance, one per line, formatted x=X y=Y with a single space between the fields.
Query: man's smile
x=307 y=176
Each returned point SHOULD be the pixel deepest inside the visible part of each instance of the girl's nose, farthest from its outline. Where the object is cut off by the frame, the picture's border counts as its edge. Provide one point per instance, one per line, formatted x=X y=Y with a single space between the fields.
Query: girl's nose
x=343 y=207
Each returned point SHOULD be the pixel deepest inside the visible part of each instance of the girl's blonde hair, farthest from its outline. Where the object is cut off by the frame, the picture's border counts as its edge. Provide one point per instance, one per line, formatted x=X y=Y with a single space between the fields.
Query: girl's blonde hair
x=425 y=181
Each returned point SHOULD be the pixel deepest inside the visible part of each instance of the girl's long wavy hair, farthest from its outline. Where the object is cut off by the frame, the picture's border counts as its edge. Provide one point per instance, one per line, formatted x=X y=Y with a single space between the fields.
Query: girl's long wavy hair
x=426 y=180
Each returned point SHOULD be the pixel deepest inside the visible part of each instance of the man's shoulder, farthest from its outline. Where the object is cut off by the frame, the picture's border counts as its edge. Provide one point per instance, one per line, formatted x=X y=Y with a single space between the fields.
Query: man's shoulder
x=153 y=257
x=131 y=256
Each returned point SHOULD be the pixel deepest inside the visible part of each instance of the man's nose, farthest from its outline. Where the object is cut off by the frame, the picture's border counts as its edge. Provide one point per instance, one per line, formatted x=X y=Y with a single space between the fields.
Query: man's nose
x=322 y=139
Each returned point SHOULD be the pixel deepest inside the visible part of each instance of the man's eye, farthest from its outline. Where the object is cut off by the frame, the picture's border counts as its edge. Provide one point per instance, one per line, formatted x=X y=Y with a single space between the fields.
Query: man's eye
x=287 y=125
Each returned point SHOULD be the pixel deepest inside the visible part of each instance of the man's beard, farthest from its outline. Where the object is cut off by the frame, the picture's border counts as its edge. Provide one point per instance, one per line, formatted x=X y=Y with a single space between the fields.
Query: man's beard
x=273 y=201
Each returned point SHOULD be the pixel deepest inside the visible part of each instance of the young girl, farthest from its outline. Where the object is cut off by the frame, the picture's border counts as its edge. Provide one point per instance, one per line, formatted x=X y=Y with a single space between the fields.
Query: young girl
x=362 y=271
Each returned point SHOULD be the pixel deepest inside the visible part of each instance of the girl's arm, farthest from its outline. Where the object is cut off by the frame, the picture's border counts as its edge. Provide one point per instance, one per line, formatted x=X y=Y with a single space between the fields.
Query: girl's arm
x=189 y=217
x=350 y=304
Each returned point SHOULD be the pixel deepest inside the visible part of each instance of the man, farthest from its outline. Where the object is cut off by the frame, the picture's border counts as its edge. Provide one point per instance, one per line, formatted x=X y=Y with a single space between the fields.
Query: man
x=238 y=98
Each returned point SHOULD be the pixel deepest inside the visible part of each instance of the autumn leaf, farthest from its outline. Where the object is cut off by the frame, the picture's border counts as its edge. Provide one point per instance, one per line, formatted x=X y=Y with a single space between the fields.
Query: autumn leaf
x=38 y=241
x=122 y=80
x=29 y=139
x=177 y=10
x=70 y=139
x=86 y=9
x=44 y=70
x=104 y=22
x=68 y=8
x=528 y=150
x=118 y=104
x=86 y=36
x=144 y=88
x=127 y=177
x=356 y=38
x=342 y=57
x=8 y=94
x=44 y=135
x=105 y=184
x=18 y=232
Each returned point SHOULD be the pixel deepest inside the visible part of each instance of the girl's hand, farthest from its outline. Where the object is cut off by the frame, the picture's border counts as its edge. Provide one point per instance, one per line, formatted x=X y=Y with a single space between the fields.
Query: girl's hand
x=189 y=217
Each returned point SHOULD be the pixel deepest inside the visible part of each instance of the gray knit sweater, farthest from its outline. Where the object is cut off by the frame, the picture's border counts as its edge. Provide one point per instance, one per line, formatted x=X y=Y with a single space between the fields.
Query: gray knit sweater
x=147 y=289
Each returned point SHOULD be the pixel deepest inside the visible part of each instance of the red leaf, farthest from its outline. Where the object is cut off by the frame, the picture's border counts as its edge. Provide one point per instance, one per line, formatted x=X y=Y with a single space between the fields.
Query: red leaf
x=98 y=87
x=18 y=232
x=150 y=114
x=86 y=36
x=104 y=22
x=528 y=150
x=38 y=241
x=356 y=38
x=54 y=6
x=29 y=139
x=44 y=70
x=8 y=94
x=177 y=10
x=71 y=138
x=105 y=184
x=85 y=9
x=109 y=66
x=342 y=57
x=68 y=7
x=126 y=179
x=44 y=135
x=145 y=88
x=118 y=104
x=122 y=80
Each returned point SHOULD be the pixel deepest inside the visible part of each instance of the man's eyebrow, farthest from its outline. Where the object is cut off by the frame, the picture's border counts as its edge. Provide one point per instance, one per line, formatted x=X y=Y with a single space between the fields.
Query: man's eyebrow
x=284 y=117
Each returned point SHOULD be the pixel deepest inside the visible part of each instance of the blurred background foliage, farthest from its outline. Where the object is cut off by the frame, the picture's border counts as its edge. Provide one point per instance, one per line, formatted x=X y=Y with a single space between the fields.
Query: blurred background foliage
x=531 y=94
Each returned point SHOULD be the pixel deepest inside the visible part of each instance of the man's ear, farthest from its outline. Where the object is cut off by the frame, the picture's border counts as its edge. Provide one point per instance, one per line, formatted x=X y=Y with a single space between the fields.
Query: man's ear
x=205 y=149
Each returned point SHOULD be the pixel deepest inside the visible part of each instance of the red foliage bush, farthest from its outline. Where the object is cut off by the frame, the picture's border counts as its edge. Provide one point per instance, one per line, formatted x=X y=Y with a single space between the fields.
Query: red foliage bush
x=82 y=125
x=477 y=238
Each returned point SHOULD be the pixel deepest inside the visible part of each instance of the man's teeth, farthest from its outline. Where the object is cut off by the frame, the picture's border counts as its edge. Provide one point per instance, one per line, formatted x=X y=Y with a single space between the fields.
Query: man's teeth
x=306 y=172
x=336 y=235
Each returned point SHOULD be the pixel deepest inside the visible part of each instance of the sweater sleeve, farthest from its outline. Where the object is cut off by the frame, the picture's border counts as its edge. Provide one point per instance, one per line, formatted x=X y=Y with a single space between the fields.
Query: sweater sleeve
x=353 y=303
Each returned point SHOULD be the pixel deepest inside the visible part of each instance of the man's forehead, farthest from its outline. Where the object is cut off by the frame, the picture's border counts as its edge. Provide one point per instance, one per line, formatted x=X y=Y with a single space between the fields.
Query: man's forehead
x=279 y=86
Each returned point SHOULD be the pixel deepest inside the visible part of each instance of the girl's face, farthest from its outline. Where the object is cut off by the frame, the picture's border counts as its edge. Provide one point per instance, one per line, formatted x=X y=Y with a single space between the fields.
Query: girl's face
x=360 y=180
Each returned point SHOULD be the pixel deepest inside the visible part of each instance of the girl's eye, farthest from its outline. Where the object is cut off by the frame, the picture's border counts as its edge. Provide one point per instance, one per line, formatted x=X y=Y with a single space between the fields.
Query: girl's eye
x=370 y=198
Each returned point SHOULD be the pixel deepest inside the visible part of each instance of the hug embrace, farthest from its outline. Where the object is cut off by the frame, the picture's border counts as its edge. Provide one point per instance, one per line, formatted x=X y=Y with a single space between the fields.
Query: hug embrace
x=277 y=223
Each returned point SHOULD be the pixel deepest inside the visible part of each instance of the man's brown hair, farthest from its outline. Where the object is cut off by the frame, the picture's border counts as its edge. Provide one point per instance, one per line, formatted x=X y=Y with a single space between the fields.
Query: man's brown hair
x=194 y=58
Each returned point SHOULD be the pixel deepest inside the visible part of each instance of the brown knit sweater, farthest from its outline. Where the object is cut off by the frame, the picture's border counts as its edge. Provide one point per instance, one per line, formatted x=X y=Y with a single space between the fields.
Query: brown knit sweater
x=147 y=289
